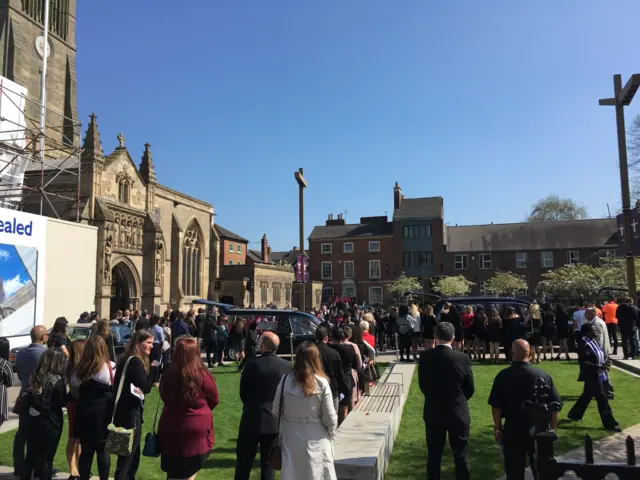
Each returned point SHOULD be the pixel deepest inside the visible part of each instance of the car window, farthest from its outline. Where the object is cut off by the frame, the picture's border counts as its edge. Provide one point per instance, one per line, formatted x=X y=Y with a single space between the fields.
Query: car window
x=302 y=325
x=78 y=333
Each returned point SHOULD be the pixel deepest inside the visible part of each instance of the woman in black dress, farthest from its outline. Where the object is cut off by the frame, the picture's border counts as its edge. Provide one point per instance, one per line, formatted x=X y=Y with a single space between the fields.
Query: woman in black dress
x=349 y=361
x=428 y=326
x=494 y=332
x=510 y=330
x=58 y=337
x=562 y=329
x=480 y=332
x=451 y=314
x=548 y=330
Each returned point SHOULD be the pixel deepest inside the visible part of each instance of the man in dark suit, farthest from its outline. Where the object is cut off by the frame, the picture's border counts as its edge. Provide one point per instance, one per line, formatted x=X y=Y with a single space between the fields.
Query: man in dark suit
x=332 y=364
x=446 y=381
x=258 y=384
x=26 y=362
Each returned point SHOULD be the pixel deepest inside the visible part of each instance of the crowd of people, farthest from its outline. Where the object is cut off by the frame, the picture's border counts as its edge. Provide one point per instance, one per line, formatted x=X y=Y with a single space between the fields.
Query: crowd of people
x=297 y=410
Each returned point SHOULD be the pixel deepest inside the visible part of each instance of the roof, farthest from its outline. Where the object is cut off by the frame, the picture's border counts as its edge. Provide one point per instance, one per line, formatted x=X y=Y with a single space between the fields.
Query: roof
x=352 y=230
x=428 y=207
x=255 y=255
x=277 y=257
x=575 y=234
x=228 y=234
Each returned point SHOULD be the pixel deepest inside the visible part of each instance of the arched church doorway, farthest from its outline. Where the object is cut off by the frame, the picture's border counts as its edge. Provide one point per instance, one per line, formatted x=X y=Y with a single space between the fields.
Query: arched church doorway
x=123 y=289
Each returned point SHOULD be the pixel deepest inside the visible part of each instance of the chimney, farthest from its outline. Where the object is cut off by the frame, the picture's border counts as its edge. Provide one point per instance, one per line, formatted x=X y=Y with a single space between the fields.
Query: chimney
x=397 y=196
x=269 y=250
x=265 y=249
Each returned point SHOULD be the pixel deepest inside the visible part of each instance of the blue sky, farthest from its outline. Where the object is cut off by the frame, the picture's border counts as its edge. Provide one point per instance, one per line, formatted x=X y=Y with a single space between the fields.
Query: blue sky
x=490 y=104
x=12 y=271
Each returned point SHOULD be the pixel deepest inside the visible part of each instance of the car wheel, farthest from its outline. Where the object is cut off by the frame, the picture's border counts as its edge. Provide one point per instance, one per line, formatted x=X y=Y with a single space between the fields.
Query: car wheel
x=231 y=353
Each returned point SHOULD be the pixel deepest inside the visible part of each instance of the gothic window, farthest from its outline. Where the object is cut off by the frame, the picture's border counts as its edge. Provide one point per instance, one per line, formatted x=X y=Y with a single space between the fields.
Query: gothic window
x=191 y=261
x=58 y=15
x=124 y=188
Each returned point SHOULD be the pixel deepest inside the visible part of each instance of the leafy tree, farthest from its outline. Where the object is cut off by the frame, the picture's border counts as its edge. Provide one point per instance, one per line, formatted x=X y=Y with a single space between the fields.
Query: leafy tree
x=453 y=286
x=404 y=284
x=505 y=283
x=554 y=208
x=573 y=281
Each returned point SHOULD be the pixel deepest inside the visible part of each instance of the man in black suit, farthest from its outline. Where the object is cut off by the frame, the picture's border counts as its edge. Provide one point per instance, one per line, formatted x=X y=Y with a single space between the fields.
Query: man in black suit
x=446 y=381
x=332 y=364
x=258 y=384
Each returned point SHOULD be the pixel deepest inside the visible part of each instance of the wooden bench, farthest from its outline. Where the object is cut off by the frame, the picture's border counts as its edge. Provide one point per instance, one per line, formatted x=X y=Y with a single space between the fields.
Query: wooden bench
x=384 y=398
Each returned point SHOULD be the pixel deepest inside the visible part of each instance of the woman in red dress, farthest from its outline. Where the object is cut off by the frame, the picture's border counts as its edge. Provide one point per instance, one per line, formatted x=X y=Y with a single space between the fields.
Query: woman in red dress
x=189 y=394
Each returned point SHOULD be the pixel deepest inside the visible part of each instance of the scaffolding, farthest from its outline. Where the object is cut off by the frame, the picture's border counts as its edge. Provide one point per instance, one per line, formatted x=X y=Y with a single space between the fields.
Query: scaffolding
x=34 y=153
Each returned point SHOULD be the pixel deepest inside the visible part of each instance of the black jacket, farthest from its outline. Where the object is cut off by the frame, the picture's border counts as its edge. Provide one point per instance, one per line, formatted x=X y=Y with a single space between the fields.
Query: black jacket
x=129 y=405
x=332 y=364
x=258 y=384
x=446 y=380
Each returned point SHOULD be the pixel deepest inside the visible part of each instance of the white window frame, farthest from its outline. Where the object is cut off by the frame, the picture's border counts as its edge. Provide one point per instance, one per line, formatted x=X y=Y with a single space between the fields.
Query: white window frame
x=322 y=275
x=230 y=262
x=379 y=296
x=328 y=295
x=353 y=269
x=573 y=257
x=462 y=259
x=344 y=247
x=521 y=259
x=371 y=244
x=605 y=255
x=371 y=264
x=231 y=250
x=238 y=248
x=326 y=248
x=546 y=259
x=485 y=259
x=349 y=291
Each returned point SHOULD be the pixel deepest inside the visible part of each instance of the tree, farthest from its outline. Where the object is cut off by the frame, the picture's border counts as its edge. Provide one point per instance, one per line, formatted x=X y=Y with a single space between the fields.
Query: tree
x=554 y=208
x=505 y=283
x=453 y=286
x=634 y=142
x=404 y=284
x=571 y=281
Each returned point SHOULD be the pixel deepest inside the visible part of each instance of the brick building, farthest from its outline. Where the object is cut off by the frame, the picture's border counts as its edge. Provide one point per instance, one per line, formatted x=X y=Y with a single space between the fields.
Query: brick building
x=251 y=277
x=353 y=259
x=233 y=247
x=360 y=259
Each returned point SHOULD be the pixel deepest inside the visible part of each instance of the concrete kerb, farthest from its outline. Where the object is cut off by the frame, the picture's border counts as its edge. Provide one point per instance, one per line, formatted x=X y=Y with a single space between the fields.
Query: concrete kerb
x=364 y=441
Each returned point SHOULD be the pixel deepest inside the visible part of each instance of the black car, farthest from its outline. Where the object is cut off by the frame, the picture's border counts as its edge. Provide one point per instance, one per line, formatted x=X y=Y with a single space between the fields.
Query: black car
x=81 y=331
x=290 y=326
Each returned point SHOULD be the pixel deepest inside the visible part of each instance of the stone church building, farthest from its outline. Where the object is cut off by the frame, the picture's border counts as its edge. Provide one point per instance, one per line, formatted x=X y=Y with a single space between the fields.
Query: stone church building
x=154 y=243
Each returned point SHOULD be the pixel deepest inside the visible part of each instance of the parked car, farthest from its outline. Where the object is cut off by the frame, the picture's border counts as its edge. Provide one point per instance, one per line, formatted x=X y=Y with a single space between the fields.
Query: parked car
x=81 y=331
x=289 y=325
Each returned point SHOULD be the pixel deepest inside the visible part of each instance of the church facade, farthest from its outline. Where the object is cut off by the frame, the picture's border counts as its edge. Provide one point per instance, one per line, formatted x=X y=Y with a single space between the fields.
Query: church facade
x=155 y=246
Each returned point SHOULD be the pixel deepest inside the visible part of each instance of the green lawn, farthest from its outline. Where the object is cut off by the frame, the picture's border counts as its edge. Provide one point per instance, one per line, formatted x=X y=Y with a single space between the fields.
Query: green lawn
x=410 y=450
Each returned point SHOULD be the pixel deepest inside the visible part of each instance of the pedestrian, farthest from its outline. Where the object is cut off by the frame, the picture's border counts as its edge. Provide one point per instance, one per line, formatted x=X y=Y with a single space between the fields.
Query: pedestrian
x=258 y=425
x=405 y=323
x=562 y=329
x=594 y=368
x=609 y=312
x=628 y=316
x=511 y=388
x=209 y=336
x=26 y=362
x=446 y=381
x=6 y=379
x=332 y=365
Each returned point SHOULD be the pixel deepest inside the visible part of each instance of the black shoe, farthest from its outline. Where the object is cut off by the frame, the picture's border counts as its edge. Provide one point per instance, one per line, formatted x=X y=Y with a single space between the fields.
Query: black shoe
x=573 y=419
x=614 y=429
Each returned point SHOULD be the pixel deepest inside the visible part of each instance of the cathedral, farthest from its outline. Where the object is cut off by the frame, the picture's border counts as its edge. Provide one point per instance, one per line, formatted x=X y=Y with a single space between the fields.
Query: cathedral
x=156 y=247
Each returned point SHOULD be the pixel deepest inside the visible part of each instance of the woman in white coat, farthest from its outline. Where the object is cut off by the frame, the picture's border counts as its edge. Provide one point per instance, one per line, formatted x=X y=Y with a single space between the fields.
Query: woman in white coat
x=309 y=419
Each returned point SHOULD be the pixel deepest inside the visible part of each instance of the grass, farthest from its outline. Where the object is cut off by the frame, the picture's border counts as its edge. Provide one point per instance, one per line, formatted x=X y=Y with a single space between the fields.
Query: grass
x=410 y=449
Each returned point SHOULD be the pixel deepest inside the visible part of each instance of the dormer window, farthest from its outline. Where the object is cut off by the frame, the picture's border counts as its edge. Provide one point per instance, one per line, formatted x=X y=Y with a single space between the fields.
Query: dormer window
x=124 y=187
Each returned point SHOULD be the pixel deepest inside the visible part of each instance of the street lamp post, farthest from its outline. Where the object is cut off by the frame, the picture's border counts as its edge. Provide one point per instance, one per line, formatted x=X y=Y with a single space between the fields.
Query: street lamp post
x=622 y=97
x=302 y=184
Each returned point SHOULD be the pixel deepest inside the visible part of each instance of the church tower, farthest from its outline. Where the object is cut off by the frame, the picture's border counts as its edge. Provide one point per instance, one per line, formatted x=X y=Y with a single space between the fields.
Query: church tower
x=21 y=50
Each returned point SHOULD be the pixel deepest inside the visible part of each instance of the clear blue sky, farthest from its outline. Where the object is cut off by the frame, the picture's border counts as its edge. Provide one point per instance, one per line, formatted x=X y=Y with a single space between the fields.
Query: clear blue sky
x=490 y=104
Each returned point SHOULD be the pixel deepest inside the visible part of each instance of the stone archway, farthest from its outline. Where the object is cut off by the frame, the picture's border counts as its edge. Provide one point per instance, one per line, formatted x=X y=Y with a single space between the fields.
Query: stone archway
x=125 y=288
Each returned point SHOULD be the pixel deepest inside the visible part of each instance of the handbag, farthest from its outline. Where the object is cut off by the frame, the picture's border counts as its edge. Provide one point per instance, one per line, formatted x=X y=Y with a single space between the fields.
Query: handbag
x=151 y=440
x=275 y=452
x=22 y=404
x=120 y=439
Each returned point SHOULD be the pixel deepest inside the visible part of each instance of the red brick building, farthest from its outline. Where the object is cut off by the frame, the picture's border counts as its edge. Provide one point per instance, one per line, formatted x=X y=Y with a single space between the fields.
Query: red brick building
x=360 y=259
x=353 y=259
x=233 y=247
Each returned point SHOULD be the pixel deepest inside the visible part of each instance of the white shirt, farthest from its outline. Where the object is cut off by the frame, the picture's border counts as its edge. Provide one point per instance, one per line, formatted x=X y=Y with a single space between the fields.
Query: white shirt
x=103 y=376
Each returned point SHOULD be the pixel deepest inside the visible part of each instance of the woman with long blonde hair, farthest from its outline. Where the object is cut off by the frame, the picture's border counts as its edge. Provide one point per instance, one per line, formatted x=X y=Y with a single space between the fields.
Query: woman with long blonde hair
x=76 y=349
x=304 y=405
